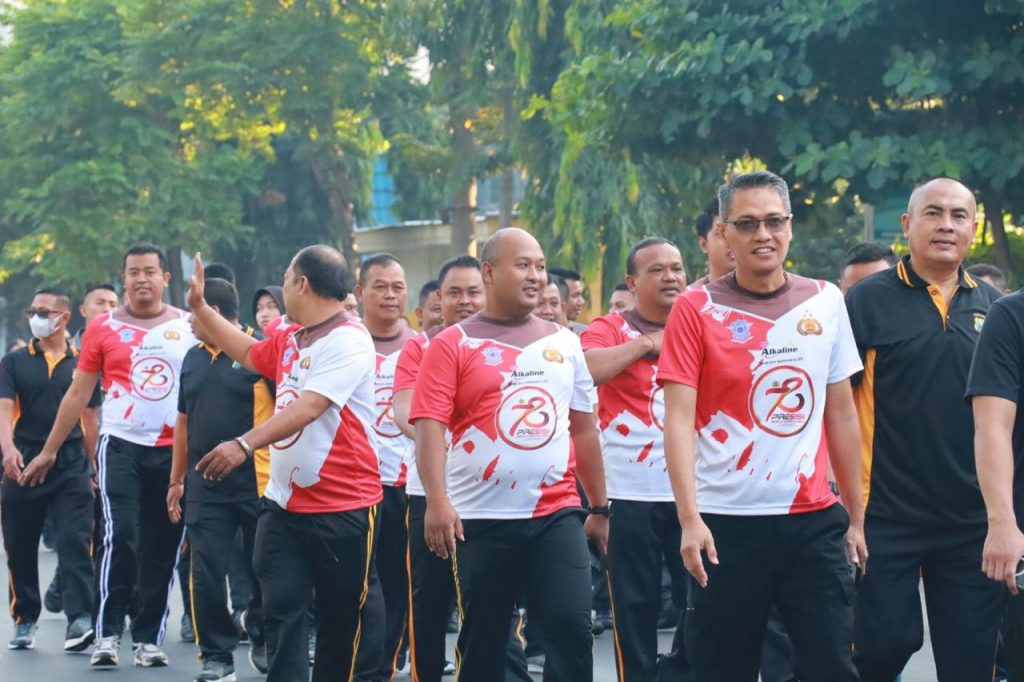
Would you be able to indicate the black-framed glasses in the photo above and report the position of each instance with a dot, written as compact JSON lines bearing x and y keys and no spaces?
{"x":42,"y":312}
{"x":774,"y":223}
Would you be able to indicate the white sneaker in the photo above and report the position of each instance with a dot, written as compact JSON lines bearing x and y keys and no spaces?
{"x":149,"y":656}
{"x":105,"y":652}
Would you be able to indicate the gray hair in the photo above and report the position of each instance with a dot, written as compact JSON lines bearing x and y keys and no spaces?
{"x":751,"y":180}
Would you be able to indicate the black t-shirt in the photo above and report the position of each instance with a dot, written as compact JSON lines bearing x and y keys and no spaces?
{"x":37,"y":384}
{"x":998,"y":370}
{"x":222,"y":400}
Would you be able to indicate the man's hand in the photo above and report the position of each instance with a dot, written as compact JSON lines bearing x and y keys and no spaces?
{"x":596,"y":528}
{"x":696,"y":539}
{"x":35,"y":473}
{"x":857,"y":547}
{"x":221,"y":461}
{"x":174,"y":493}
{"x":1004,"y":547}
{"x":197,"y":285}
{"x":13,"y":463}
{"x":656,"y":338}
{"x":441,"y":527}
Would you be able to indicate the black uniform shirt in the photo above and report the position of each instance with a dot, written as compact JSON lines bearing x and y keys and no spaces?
{"x":998,"y":370}
{"x":917,"y":431}
{"x":222,"y":400}
{"x":37,"y":382}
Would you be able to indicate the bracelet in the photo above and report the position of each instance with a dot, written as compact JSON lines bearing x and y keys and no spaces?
{"x":246,"y":448}
{"x":173,"y":484}
{"x":605,"y":511}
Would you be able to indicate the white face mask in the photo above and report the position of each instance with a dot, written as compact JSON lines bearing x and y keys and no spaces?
{"x":43,"y":327}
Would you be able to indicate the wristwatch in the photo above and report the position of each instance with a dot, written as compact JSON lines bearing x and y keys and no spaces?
{"x":605,"y":511}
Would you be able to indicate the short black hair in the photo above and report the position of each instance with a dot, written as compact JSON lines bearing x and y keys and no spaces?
{"x":457,"y":262}
{"x":867,"y":252}
{"x":382,"y":259}
{"x":563,"y":286}
{"x":222,"y":293}
{"x":325,"y":269}
{"x":566,"y":273}
{"x":427,"y":289}
{"x":640,"y":246}
{"x":990,"y":271}
{"x":706,"y":219}
{"x":621,"y":286}
{"x":144,"y":248}
{"x":96,"y":286}
{"x":63,"y":300}
{"x":219,"y":271}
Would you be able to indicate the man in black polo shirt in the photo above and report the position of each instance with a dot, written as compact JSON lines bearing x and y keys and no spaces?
{"x":33,"y":381}
{"x":218,"y":401}
{"x":916,"y":326}
{"x":996,"y":389}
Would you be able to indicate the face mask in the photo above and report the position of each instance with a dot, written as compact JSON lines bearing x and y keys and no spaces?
{"x":43,"y":326}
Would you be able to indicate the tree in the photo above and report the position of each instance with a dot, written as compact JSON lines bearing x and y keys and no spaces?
{"x":848,"y":97}
{"x":85,"y":167}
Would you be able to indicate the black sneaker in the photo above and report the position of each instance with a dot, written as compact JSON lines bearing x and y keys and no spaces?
{"x":79,"y":634}
{"x":187,"y":634}
{"x":53,"y":600}
{"x":257,"y":643}
{"x":604,"y":618}
{"x":216,"y":671}
{"x":24,"y":636}
{"x":236,"y":618}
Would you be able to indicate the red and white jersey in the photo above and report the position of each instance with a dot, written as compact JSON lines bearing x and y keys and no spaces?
{"x":761,"y":366}
{"x":394,"y":448}
{"x":505,"y":392}
{"x":410,"y":359}
{"x":631,"y":414}
{"x":276,"y":325}
{"x":140,"y":363}
{"x":330,"y":465}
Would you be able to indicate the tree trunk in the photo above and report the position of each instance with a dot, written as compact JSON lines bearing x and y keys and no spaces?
{"x":178,"y":284}
{"x":335,"y":183}
{"x":463,"y":212}
{"x":508,"y":176}
{"x":994,"y":215}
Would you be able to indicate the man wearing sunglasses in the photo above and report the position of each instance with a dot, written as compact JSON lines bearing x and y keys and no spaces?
{"x":756,"y":367}
{"x":33,"y":380}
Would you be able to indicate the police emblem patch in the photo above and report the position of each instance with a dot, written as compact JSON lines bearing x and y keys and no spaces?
{"x":740,"y":331}
{"x":979,"y":322}
{"x":493,"y":355}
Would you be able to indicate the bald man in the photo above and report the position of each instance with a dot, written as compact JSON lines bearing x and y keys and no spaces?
{"x":515,"y":393}
{"x":916,"y":327}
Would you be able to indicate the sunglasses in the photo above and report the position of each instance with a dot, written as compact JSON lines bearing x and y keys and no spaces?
{"x":774,"y":223}
{"x":42,"y":312}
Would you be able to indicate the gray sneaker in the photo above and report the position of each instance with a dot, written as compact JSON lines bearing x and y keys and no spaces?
{"x":79,"y":634}
{"x":216,"y":671}
{"x":149,"y":656}
{"x":105,"y":653}
{"x":24,"y":636}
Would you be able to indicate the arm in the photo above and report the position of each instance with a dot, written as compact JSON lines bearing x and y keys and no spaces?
{"x":71,"y":408}
{"x":225,"y":335}
{"x":299,"y":414}
{"x":401,"y":402}
{"x":681,"y":458}
{"x":13,"y":461}
{"x":179,"y":460}
{"x":993,"y":453}
{"x":607,"y":363}
{"x":441,"y":523}
{"x":843,"y":432}
{"x":590,"y":469}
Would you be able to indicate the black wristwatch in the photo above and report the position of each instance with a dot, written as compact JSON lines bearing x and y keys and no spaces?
{"x":605,"y":511}
{"x":834,"y":487}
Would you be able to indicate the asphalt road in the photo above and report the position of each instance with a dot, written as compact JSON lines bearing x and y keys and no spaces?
{"x":51,"y":664}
